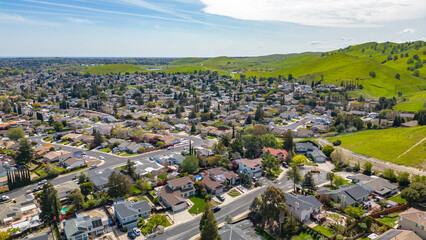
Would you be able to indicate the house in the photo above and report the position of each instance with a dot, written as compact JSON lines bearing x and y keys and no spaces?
{"x":72,"y":137}
{"x":83,"y":227}
{"x":252,"y":167}
{"x":43,"y":236}
{"x":133,"y":147}
{"x":346,"y":195}
{"x":100,"y":178}
{"x":123,"y":146}
{"x":304,"y":133}
{"x":374,"y":184}
{"x":243,"y":230}
{"x":127,"y":213}
{"x":147,"y":167}
{"x":73,"y":163}
{"x":302,"y":206}
{"x":230,"y":176}
{"x":206,"y":130}
{"x":309,"y":150}
{"x":414,"y":220}
{"x":64,"y":190}
{"x":108,"y":119}
{"x":55,"y":156}
{"x":397,"y":234}
{"x":174,"y":193}
{"x":170,"y":140}
{"x":279,"y":154}
{"x":13,"y":211}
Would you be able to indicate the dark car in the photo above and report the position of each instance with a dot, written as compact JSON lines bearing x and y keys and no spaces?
{"x":131,"y":235}
{"x":285,"y":165}
{"x":220,"y":198}
{"x":216,"y":209}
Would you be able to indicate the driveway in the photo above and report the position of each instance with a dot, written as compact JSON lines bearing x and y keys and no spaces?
{"x":180,"y":217}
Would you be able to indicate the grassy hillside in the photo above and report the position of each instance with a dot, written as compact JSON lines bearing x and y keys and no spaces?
{"x":114,"y":68}
{"x":388,"y":144}
{"x":187,"y":61}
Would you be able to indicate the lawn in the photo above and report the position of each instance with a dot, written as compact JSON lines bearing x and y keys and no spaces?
{"x":264,"y":234}
{"x":162,"y":176}
{"x":48,"y":139}
{"x":391,"y":221}
{"x":128,"y":154}
{"x":388,"y":144}
{"x":211,"y":137}
{"x":199,"y":203}
{"x":398,"y":199}
{"x":175,"y":131}
{"x":324,"y":230}
{"x":135,"y":190}
{"x":234,"y":193}
{"x":105,"y":150}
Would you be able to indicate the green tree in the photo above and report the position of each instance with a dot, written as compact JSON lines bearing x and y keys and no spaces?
{"x":338,"y":180}
{"x":355,"y":212}
{"x":269,"y":140}
{"x":82,"y":178}
{"x":403,"y":179}
{"x":294,"y":174}
{"x":288,"y":143}
{"x":269,"y":164}
{"x":237,"y":146}
{"x":58,"y":126}
{"x":252,"y":145}
{"x":259,"y":114}
{"x":219,"y":148}
{"x":225,"y":139}
{"x":299,"y":160}
{"x":390,"y":175}
{"x":86,"y":188}
{"x":25,"y":152}
{"x":309,"y":182}
{"x":338,"y":158}
{"x":49,"y":204}
{"x":15,"y":133}
{"x":327,"y":150}
{"x":249,"y":120}
{"x":330,"y":177}
{"x":77,"y":199}
{"x":208,"y":226}
{"x":4,"y":235}
{"x":190,"y":164}
{"x":143,"y":185}
{"x":416,"y":192}
{"x":118,"y":185}
{"x":99,"y":139}
{"x":367,"y":168}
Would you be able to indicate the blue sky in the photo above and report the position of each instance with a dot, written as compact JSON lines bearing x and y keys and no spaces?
{"x":202,"y":28}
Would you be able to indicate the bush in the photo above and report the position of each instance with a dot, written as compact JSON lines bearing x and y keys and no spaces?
{"x":125,"y":229}
{"x":156,"y":201}
{"x":348,"y":169}
{"x":337,"y":142}
{"x":91,"y":203}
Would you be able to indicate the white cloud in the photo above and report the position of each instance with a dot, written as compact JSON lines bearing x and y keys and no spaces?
{"x":79,"y":20}
{"x":341,"y":13}
{"x":408,"y":30}
{"x":16,"y":18}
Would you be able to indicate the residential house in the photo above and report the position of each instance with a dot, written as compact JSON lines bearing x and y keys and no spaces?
{"x":123,"y":146}
{"x":279,"y":154}
{"x":64,"y":190}
{"x":174,"y":193}
{"x":309,"y":150}
{"x":374,"y":184}
{"x":83,"y":227}
{"x":304,"y":133}
{"x":414,"y":220}
{"x":170,"y":140}
{"x":147,"y":167}
{"x":230,"y":176}
{"x":397,"y":234}
{"x":243,"y":230}
{"x":13,"y":211}
{"x":302,"y":206}
{"x":133,"y":147}
{"x":100,"y":178}
{"x":72,"y":137}
{"x":56,"y":156}
{"x":73,"y":163}
{"x":127,"y":213}
{"x":347,"y":195}
{"x":252,"y":167}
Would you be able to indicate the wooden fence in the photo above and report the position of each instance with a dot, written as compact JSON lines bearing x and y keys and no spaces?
{"x":390,"y":210}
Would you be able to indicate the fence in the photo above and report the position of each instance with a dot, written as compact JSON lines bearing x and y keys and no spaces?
{"x":390,"y":210}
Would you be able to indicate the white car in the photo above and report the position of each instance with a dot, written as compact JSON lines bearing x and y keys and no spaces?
{"x":102,"y":158}
{"x":137,"y":231}
{"x":4,"y":197}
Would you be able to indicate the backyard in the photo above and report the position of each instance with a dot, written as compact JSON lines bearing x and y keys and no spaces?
{"x":398,"y":199}
{"x":324,"y":230}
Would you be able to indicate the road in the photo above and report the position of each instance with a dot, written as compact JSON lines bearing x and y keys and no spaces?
{"x":299,"y":123}
{"x":110,"y":161}
{"x":190,"y":229}
{"x":377,"y":162}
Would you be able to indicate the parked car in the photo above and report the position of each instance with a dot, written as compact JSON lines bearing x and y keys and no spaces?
{"x":220,"y":198}
{"x":131,"y":235}
{"x":102,"y":158}
{"x":170,"y":148}
{"x":216,"y":209}
{"x":4,"y":197}
{"x":285,"y":165}
{"x":93,"y":167}
{"x":74,"y":178}
{"x":42,"y":182}
{"x":137,"y":231}
{"x":315,"y":171}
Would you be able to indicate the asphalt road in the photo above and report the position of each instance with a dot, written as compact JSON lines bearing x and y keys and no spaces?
{"x":110,"y":161}
{"x":189,"y":229}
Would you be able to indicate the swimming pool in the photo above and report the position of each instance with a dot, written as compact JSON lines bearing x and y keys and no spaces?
{"x":64,"y":209}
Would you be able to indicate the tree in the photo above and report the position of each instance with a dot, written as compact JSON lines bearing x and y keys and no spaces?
{"x":4,"y":235}
{"x":269,"y":140}
{"x":25,"y":152}
{"x":338,"y":180}
{"x":330,"y":177}
{"x":259,"y":114}
{"x":338,"y":158}
{"x":403,"y":179}
{"x":237,"y":146}
{"x":367,"y":168}
{"x":219,"y":148}
{"x":252,"y":146}
{"x":190,"y":164}
{"x":416,"y":192}
{"x":328,"y":150}
{"x":420,"y":116}
{"x":15,"y":133}
{"x":355,"y":212}
{"x":77,"y":199}
{"x":49,"y":204}
{"x":225,"y":139}
{"x":288,"y":143}
{"x":58,"y":126}
{"x":86,"y":188}
{"x":118,"y":185}
{"x":294,"y":174}
{"x":390,"y":175}
{"x":193,"y":128}
{"x":309,"y":182}
{"x":82,"y":178}
{"x":99,"y":139}
{"x":143,"y":185}
{"x":299,"y":160}
{"x":208,"y":225}
{"x":269,"y":164}
{"x":249,"y":120}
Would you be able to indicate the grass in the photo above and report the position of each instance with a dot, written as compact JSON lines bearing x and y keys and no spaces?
{"x":175,"y":131}
{"x":114,"y":68}
{"x":48,"y":139}
{"x":389,"y":220}
{"x":128,"y":154}
{"x":234,"y":193}
{"x":388,"y":144}
{"x":199,"y":203}
{"x":211,"y":137}
{"x":105,"y":150}
{"x":135,"y":190}
{"x":121,"y":167}
{"x":398,"y":199}
{"x":59,"y":169}
{"x":324,"y":230}
{"x":264,"y":234}
{"x":162,"y":176}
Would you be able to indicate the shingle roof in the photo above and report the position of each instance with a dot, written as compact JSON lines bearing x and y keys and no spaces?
{"x":305,"y":202}
{"x":130,"y":208}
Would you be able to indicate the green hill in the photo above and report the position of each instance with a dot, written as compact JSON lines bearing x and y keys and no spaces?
{"x":187,"y":61}
{"x":114,"y":68}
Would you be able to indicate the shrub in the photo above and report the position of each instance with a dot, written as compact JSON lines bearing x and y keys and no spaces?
{"x":337,"y":142}
{"x":125,"y":229}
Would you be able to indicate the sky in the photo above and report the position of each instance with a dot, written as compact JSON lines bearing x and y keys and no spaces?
{"x":201,"y":28}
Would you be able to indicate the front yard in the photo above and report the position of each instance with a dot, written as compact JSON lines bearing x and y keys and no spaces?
{"x":234,"y":193}
{"x":105,"y":150}
{"x":199,"y":205}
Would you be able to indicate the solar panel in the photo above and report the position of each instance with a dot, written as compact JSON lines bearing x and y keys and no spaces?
{"x":390,"y":235}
